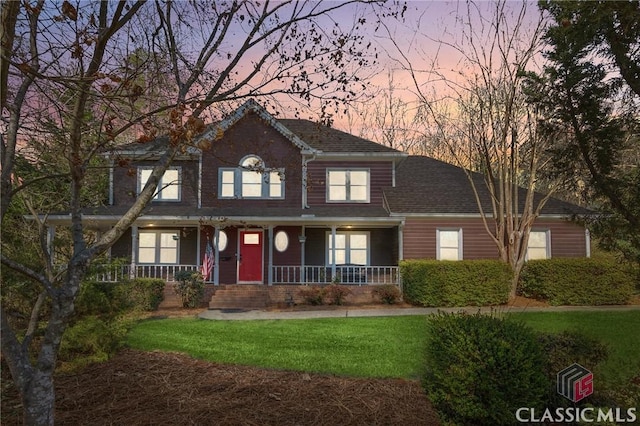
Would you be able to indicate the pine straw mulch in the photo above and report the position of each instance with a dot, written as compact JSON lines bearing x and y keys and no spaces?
{"x":156,"y":388}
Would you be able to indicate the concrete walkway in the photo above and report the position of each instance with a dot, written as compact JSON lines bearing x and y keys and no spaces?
{"x":223,"y":314}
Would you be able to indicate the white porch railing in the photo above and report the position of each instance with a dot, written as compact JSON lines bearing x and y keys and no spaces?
{"x":344,"y":274}
{"x":115,"y":273}
{"x":295,"y":274}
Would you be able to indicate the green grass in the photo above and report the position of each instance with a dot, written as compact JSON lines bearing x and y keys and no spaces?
{"x":365,"y":347}
{"x":619,"y":331}
{"x":362,"y":347}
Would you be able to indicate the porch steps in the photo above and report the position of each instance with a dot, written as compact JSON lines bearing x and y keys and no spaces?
{"x":240,"y":296}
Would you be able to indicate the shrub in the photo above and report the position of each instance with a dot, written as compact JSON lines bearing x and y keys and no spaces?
{"x":462,"y":283}
{"x":146,"y":293}
{"x":313,"y":295}
{"x":104,"y":299}
{"x":387,"y":293}
{"x":190,"y":287}
{"x":93,"y":339}
{"x":479,"y":369}
{"x":562,"y":350}
{"x":582,"y":281}
{"x":336,"y":293}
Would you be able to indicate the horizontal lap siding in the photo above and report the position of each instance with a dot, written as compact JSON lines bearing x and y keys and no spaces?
{"x":567,"y":239}
{"x":380,"y":176}
{"x":420,"y":238}
{"x":419,"y":241}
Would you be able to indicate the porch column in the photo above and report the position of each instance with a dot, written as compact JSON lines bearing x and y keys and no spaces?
{"x":303,"y":272}
{"x":401,"y":242}
{"x":216,"y":256}
{"x":51,"y":234}
{"x":333,"y":252}
{"x":270,"y":269}
{"x":134,"y":251}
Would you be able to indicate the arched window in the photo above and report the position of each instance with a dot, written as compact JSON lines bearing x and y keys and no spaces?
{"x":251,"y":179}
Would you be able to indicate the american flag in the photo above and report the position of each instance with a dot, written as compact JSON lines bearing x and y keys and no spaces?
{"x":207,"y":262}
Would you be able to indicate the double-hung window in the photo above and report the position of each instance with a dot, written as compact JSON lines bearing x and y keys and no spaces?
{"x":351,"y":248}
{"x":252,"y":179}
{"x":538,"y":245}
{"x":449,"y":244}
{"x":348,"y":186}
{"x":168,"y":187}
{"x":156,"y":247}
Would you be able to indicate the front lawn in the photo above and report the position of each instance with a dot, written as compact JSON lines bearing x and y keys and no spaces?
{"x":365,"y":347}
{"x":361,"y":347}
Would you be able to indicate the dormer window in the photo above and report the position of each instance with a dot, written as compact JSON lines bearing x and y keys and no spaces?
{"x":168,"y":187}
{"x":251,"y":179}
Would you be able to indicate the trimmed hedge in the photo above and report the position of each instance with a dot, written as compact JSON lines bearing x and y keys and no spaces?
{"x":462,"y":283}
{"x":577,"y":281}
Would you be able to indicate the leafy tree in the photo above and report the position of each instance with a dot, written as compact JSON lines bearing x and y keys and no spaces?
{"x":591,"y":88}
{"x":483,"y":119}
{"x":79,"y":79}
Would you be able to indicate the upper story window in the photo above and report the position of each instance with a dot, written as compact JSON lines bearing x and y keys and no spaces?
{"x":449,"y":243}
{"x":538,"y":246}
{"x":168,"y":187}
{"x":251,"y":179}
{"x":351,"y":186}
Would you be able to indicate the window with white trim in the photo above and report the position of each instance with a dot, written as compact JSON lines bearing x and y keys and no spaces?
{"x":351,"y":248}
{"x":251,"y":179}
{"x":538,"y":246}
{"x":168,"y":187}
{"x":158,"y":247}
{"x":350,"y":186}
{"x":449,"y":244}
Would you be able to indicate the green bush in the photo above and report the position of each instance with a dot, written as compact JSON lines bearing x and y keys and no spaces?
{"x":190,"y":287}
{"x":562,"y":350}
{"x":387,"y":293}
{"x":93,"y":339}
{"x":565,"y":281}
{"x":313,"y":295}
{"x":480,"y":369}
{"x":146,"y":293}
{"x":462,"y":283}
{"x":336,"y":293}
{"x":104,"y":299}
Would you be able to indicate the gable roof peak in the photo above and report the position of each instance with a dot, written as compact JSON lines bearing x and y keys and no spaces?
{"x":252,"y":106}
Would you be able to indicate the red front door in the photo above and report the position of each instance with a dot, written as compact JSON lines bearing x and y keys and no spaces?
{"x":250,"y":261}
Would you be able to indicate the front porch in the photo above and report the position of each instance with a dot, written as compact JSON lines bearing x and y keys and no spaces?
{"x":277,"y":275}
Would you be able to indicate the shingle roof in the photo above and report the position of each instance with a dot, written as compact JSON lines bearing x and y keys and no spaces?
{"x":328,"y":139}
{"x":302,"y":133}
{"x":428,"y":186}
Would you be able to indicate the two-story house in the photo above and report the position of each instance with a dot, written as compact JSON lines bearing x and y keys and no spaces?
{"x":289,"y":201}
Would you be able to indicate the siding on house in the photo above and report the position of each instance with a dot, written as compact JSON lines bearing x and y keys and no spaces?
{"x":419,"y":242}
{"x":125,"y":183}
{"x":251,"y":136}
{"x":380,"y":176}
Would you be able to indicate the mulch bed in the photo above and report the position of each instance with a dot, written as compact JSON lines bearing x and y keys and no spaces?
{"x":155,"y":388}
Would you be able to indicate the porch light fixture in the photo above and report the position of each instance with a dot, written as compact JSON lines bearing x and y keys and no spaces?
{"x":302,"y":238}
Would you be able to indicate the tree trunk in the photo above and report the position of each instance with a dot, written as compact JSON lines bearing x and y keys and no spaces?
{"x":38,"y":399}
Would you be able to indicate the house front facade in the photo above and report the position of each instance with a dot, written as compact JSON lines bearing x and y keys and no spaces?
{"x":287,"y":201}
